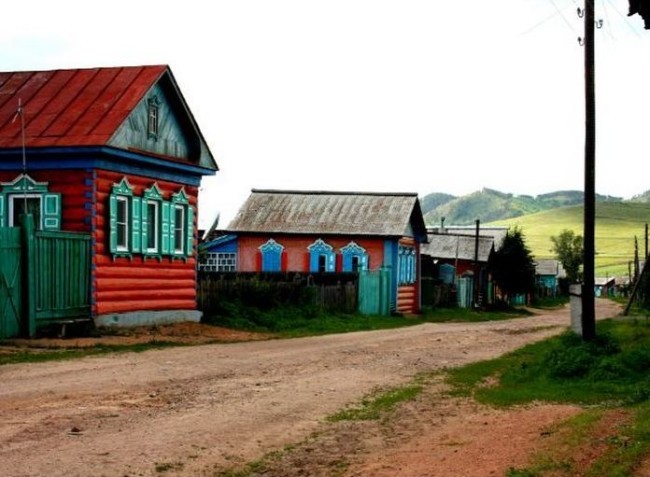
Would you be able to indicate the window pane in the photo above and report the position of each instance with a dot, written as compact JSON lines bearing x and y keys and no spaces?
{"x":122,"y":223}
{"x":33,"y":207}
{"x":152,"y":226}
{"x":179,"y":226}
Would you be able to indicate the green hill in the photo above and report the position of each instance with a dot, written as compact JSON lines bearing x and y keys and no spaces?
{"x":617,"y":223}
{"x":489,"y":205}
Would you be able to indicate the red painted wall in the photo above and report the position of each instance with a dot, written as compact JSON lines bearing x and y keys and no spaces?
{"x":123,"y":284}
{"x":75,"y":187}
{"x":296,"y":253}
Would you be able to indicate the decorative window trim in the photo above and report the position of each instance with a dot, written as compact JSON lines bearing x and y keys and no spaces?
{"x":24,"y":186}
{"x":122,"y":192}
{"x":406,"y":266}
{"x":352,"y":251}
{"x":320,"y":249}
{"x":186,"y":248}
{"x":160,"y":227}
{"x":271,"y":252}
{"x":153,"y":118}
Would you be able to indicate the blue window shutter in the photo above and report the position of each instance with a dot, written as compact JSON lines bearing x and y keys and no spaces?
{"x":112,"y":225}
{"x":136,"y":222}
{"x":189,"y":230}
{"x":2,"y":210}
{"x":347,"y":262}
{"x":51,"y":211}
{"x":313,"y":261}
{"x":144,"y":225}
{"x":164,"y":229}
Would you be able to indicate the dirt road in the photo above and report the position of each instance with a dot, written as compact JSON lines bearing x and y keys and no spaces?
{"x":192,"y":410}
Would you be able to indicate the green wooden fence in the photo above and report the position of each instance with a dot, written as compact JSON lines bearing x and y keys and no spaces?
{"x":54,"y":278}
{"x":374,"y":292}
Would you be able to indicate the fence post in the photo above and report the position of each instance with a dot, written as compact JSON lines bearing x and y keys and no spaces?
{"x":29,"y":288}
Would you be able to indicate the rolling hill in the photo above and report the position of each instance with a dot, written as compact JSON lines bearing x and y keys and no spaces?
{"x":489,"y":205}
{"x":617,"y":224}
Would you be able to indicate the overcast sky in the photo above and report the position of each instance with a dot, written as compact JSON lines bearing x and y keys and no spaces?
{"x":373,"y":95}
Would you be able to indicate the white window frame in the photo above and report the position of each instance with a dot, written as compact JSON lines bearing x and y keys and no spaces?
{"x":153,"y":228}
{"x":179,"y":226}
{"x":14,"y":197}
{"x":122,"y":245}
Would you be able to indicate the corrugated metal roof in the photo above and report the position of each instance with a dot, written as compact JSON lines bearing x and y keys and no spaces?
{"x":498,"y":232}
{"x":326,"y":212}
{"x":76,"y":107}
{"x":457,"y":246}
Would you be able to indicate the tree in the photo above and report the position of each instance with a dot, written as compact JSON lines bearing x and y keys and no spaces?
{"x":512,"y":266}
{"x":568,"y":248}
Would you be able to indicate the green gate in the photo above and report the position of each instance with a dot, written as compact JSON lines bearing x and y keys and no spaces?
{"x":44,"y":278}
{"x":374,"y":292}
{"x":10,"y":282}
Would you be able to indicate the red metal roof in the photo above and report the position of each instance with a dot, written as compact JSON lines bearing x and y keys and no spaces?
{"x":80,"y":107}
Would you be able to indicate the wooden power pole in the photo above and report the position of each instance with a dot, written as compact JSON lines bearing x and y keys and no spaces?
{"x":588,"y":299}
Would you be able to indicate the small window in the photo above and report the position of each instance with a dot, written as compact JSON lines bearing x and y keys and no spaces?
{"x":152,"y":226}
{"x":122,"y":223}
{"x":355,"y":263}
{"x":322,"y":263}
{"x":153,"y":118}
{"x":271,"y":256}
{"x":21,"y":204}
{"x":179,"y":229}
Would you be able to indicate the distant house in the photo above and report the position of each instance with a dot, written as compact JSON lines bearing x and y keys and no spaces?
{"x":548,"y":272}
{"x":604,"y":286}
{"x":455,"y":258}
{"x":320,"y":232}
{"x":115,"y":155}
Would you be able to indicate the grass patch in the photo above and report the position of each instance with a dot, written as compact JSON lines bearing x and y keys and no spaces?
{"x":39,"y":355}
{"x":611,"y":369}
{"x":373,"y":406}
{"x":288,"y":322}
{"x":610,"y":372}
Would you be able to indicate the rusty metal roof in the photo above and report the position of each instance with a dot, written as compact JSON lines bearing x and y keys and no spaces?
{"x":75,"y":107}
{"x":457,"y":246}
{"x":326,"y":212}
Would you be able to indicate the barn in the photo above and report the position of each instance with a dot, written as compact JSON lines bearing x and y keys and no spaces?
{"x":115,"y":157}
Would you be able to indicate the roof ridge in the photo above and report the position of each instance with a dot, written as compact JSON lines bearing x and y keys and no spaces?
{"x":325,"y":192}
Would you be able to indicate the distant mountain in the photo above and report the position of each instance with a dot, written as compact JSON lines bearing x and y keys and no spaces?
{"x":489,"y":205}
{"x":641,"y":198}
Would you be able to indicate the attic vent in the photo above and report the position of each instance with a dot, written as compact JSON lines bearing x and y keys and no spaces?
{"x":153,"y":118}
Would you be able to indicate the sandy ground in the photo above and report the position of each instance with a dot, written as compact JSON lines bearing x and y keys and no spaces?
{"x":201,"y":409}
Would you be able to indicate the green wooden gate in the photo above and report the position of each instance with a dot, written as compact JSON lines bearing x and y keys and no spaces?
{"x":374,"y":292}
{"x":45,"y":278}
{"x":11,"y":309}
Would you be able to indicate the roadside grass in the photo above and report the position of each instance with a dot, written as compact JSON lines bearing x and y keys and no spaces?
{"x":290,"y":322}
{"x":373,"y":406}
{"x":39,"y":355}
{"x":611,"y":372}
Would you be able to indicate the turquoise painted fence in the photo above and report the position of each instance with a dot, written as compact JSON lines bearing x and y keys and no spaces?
{"x":44,"y":278}
{"x":11,"y":303}
{"x":374,"y":292}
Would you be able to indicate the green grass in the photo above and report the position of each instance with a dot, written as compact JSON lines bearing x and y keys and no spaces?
{"x":39,"y":355}
{"x":373,"y":406}
{"x":616,"y":226}
{"x":289,"y":323}
{"x":611,"y":371}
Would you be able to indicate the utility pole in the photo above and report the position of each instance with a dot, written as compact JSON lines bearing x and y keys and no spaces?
{"x":588,"y":299}
{"x":477,"y":270}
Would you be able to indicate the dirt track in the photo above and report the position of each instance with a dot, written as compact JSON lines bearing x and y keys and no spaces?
{"x":192,"y":410}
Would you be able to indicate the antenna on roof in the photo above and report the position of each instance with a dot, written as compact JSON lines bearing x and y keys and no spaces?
{"x":21,"y":112}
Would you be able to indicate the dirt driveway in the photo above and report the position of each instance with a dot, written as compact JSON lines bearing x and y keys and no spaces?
{"x":195,"y":410}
